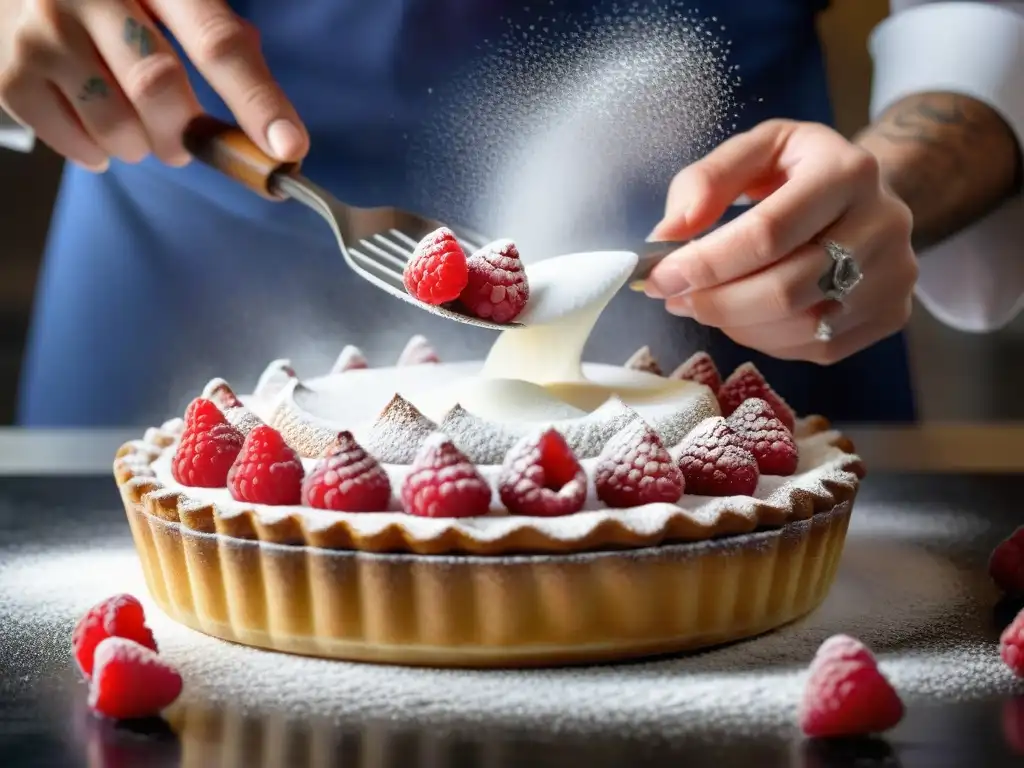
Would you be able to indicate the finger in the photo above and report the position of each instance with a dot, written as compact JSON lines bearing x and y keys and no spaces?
{"x":148,"y":71}
{"x":102,"y":107}
{"x":791,"y":286}
{"x":700,"y":193}
{"x":226,"y":51}
{"x":806,"y":204}
{"x":39,"y":105}
{"x":872,"y":329}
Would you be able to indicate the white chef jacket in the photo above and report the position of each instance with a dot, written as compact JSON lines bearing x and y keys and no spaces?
{"x":974,"y":281}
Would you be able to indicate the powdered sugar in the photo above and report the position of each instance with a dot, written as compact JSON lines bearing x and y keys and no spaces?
{"x":274,"y":379}
{"x":398,"y":432}
{"x":418,"y":351}
{"x":643,"y":360}
{"x":351,"y":358}
{"x":913,"y":607}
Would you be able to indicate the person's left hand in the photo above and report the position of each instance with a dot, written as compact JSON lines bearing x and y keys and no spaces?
{"x":756,"y":277}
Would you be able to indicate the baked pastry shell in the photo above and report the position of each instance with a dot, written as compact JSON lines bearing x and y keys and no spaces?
{"x":271,"y":588}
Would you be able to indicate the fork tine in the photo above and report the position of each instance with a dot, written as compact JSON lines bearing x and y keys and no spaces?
{"x":372,"y":260}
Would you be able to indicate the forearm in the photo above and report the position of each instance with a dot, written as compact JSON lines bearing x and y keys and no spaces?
{"x":951,"y":158}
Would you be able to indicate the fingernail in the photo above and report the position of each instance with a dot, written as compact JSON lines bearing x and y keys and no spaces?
{"x":663,"y":286}
{"x":94,"y":167}
{"x":285,"y":139}
{"x":679,"y":306}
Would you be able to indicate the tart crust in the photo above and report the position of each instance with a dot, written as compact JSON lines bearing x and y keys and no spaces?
{"x":456,"y":601}
{"x":469,"y":611}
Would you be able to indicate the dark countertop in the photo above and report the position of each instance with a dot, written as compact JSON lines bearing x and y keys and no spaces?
{"x":44,"y":720}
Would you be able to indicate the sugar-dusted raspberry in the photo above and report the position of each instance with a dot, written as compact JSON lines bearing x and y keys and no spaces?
{"x":267,"y":470}
{"x":117,"y":616}
{"x":634,"y":469}
{"x":208,"y":446}
{"x":130,"y":681}
{"x":1011,"y":645}
{"x":747,"y":382}
{"x":847,"y":695}
{"x":442,"y":482}
{"x":714,"y":462}
{"x":761,"y":433}
{"x":1006,"y":565}
{"x":437,"y":272}
{"x":350,"y":359}
{"x":347,"y":479}
{"x":497,"y":288}
{"x":541,"y":477}
{"x":842,"y":648}
{"x":418,"y":351}
{"x":699,"y":368}
{"x":643,"y":360}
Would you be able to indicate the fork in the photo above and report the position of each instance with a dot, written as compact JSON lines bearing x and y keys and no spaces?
{"x":376,"y":243}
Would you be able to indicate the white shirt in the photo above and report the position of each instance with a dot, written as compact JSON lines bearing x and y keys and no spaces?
{"x":973,"y":281}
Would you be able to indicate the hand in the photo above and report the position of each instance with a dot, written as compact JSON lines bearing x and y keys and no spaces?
{"x":96,"y":79}
{"x":756,"y":277}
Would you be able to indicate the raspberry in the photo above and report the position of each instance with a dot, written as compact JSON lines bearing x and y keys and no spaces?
{"x":842,"y":648}
{"x":444,"y":483}
{"x":643,"y":360}
{"x":418,"y":352}
{"x":208,"y":446}
{"x":267,"y":470}
{"x":747,"y":382}
{"x":437,"y":272}
{"x":634,"y":468}
{"x":699,"y":368}
{"x":541,"y":477}
{"x":1013,"y":724}
{"x":130,"y":681}
{"x":347,"y":479}
{"x":714,"y":462}
{"x":117,"y":616}
{"x":847,"y":695}
{"x":767,"y":438}
{"x":1006,"y":565}
{"x":350,"y":359}
{"x":497,"y":289}
{"x":1011,"y":645}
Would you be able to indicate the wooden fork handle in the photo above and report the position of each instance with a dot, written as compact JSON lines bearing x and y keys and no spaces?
{"x":226,"y":148}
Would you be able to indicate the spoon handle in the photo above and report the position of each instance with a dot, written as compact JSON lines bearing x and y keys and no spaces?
{"x":651,"y":254}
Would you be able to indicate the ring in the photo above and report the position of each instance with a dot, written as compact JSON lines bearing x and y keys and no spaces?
{"x":842,"y":276}
{"x":824,"y":330}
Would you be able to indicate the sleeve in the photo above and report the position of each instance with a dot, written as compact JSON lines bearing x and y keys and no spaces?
{"x":974,"y":281}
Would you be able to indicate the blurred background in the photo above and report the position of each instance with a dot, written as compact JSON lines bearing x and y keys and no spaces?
{"x":958,"y":376}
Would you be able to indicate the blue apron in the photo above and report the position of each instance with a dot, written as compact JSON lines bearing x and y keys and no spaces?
{"x":157,"y":279}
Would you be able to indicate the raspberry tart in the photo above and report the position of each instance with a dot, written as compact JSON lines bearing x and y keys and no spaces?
{"x":524,"y":510}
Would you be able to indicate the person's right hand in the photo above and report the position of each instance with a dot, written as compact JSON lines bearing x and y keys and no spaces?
{"x":96,"y":79}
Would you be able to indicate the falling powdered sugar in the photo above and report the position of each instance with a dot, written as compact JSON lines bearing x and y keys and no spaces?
{"x":563,"y":116}
{"x":914,"y":608}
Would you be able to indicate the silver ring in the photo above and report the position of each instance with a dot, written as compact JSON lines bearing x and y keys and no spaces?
{"x":824,"y":330}
{"x":843,"y":274}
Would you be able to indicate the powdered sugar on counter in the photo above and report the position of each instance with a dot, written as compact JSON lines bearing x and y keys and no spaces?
{"x":892,"y":591}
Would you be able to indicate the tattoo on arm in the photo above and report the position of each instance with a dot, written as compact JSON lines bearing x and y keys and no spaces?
{"x":952,"y":159}
{"x":93,"y":89}
{"x":139,"y":37}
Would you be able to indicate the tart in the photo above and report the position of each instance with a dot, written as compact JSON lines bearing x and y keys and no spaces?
{"x":392,"y":515}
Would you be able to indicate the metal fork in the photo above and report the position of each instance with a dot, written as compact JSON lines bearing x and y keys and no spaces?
{"x":376,"y":243}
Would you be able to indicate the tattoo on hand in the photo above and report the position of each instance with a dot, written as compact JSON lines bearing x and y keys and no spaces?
{"x":95,"y":88}
{"x":139,"y":37}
